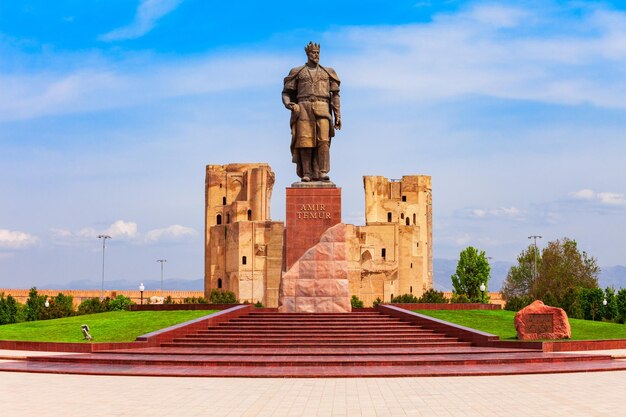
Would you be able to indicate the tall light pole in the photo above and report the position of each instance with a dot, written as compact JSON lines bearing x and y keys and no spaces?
{"x":161,"y":261}
{"x":104,"y":239}
{"x":534,"y":238}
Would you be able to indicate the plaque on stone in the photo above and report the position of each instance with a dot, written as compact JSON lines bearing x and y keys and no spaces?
{"x":539,"y":321}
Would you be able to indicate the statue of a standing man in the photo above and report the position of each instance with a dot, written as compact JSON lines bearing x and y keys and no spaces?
{"x":311,"y":92}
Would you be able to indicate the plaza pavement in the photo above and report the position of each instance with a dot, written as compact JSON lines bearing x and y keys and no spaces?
{"x":576,"y":394}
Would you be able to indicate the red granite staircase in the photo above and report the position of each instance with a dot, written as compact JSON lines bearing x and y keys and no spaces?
{"x":360,"y":344}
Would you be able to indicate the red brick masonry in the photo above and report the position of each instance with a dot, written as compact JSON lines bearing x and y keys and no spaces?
{"x":310,"y":211}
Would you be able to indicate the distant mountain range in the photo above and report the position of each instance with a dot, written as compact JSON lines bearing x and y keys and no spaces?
{"x":443,"y":269}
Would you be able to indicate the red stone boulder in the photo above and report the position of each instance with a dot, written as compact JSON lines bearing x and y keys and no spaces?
{"x":539,"y":321}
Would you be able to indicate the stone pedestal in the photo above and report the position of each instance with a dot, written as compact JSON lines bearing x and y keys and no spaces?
{"x":312,"y":208}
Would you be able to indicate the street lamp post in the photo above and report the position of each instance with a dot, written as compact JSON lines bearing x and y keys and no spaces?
{"x":161,"y":261}
{"x":104,"y":239}
{"x":534,"y":238}
{"x":482,"y":292}
{"x":141,"y":290}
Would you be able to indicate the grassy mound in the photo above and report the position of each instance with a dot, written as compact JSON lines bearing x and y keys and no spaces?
{"x":114,"y":326}
{"x":500,"y":323}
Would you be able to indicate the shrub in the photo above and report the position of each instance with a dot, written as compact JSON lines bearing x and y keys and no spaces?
{"x":120,"y":303}
{"x":459,"y":299}
{"x":516,"y":303}
{"x":259,"y":304}
{"x":355,"y":302}
{"x":404,"y":299}
{"x":433,"y":296}
{"x":94,"y":305}
{"x":194,"y":300}
{"x":376,"y":302}
{"x":222,"y":297}
{"x":169,"y":300}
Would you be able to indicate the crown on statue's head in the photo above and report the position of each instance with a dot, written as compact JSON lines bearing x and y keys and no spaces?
{"x":312,"y":47}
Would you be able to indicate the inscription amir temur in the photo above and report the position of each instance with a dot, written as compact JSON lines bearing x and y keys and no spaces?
{"x":313,"y":211}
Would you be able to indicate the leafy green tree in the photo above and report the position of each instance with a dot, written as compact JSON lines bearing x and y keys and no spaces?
{"x":472,"y":270}
{"x":516,"y":303}
{"x":610,"y":310}
{"x":572,"y":303}
{"x":35,"y":305}
{"x":356,"y":302}
{"x":563,"y":267}
{"x":59,"y":306}
{"x":592,"y":303}
{"x":519,"y":279}
{"x":8,"y":309}
{"x":620,"y":300}
{"x":433,"y":296}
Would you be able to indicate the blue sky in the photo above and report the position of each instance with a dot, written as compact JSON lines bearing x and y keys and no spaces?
{"x":110,"y":110}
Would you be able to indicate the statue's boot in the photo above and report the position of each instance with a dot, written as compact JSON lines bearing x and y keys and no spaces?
{"x":323,"y":159}
{"x":306,"y":156}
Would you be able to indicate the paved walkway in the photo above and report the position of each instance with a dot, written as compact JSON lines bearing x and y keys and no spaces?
{"x":578,"y":394}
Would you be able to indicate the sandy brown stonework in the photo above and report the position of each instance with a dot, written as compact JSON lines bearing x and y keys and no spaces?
{"x":243,"y":247}
{"x":539,"y":321}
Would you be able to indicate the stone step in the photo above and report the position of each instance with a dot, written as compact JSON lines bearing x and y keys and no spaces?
{"x":268,"y":339}
{"x":319,"y":351}
{"x":299,"y":343}
{"x":320,"y":361}
{"x":313,"y":371}
{"x":304,"y":334}
{"x":317,"y":326}
{"x":307,"y":333}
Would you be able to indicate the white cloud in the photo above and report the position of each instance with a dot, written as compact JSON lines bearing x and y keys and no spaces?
{"x":125,"y":231}
{"x":603,"y":198}
{"x":584,"y":194}
{"x":171,"y":233}
{"x":501,"y":212}
{"x":612,"y":199}
{"x":148,"y":13}
{"x":12,"y":239}
{"x":540,"y":57}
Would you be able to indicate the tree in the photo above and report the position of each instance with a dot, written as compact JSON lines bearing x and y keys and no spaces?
{"x":472,"y":270}
{"x":620,"y":300}
{"x":592,"y":303}
{"x":563,"y":267}
{"x":610,"y":310}
{"x":8,"y":309}
{"x":35,"y":305}
{"x":519,"y":279}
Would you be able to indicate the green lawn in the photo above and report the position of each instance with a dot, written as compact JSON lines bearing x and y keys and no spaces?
{"x":115,"y":326}
{"x":500,"y":323}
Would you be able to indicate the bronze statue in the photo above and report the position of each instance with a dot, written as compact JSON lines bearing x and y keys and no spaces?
{"x":311,"y":92}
